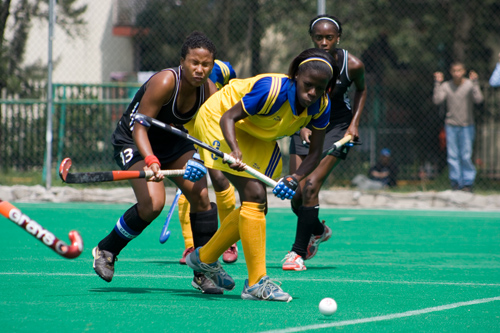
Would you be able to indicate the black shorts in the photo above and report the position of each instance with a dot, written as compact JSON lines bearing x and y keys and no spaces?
{"x":127,"y":155}
{"x":334,"y":133}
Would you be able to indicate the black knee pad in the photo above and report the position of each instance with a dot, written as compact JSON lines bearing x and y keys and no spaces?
{"x":115,"y":242}
{"x":204,"y":225}
{"x":306,"y":225}
{"x":308,"y":215}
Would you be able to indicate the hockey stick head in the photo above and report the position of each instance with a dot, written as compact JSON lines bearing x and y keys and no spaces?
{"x":64,"y":168}
{"x":164,"y":236}
{"x":76,"y":247}
{"x":141,"y":119}
{"x":165,"y":233}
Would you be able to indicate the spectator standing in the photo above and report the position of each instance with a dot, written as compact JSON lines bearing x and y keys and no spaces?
{"x":460,"y":94}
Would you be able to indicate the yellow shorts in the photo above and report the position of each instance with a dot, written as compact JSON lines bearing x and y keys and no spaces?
{"x":264,"y":156}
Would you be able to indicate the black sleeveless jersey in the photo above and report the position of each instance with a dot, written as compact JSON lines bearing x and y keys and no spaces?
{"x":160,"y":139}
{"x":340,"y":103}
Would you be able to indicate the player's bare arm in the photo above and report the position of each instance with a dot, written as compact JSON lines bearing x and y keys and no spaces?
{"x":312,"y":159}
{"x":210,"y":88}
{"x":158,"y":92}
{"x":227,"y":124}
{"x":357,"y":74}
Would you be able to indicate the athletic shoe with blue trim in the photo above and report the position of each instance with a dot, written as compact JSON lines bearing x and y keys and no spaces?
{"x":314,"y":241}
{"x":213,"y":271}
{"x":265,"y":290}
{"x":187,"y":251}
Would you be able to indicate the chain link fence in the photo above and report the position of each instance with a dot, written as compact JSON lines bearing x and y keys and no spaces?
{"x":104,"y":50}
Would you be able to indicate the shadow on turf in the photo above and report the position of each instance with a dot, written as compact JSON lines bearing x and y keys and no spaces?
{"x":163,"y":262}
{"x":309,"y":268}
{"x":176,"y":262}
{"x":180,"y":292}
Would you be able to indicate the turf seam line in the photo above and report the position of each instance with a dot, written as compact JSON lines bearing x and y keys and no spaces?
{"x":388,"y":317}
{"x":160,"y":276}
{"x":400,"y":282}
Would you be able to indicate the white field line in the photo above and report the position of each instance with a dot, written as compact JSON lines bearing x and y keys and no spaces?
{"x":163,"y":276}
{"x":387,"y":317}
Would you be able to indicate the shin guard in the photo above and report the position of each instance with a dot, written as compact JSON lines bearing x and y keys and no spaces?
{"x":226,"y":202}
{"x":306,"y":223}
{"x":252,"y":227}
{"x":204,"y":225}
{"x":187,"y":233}
{"x":129,"y":226}
{"x":227,"y":235}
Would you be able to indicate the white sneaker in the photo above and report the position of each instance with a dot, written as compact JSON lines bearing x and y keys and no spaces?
{"x":293,"y":262}
{"x":265,"y":290}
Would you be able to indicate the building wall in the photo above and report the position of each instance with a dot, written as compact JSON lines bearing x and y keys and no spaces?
{"x":87,"y":59}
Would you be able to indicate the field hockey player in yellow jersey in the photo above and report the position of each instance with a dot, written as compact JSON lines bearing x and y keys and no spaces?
{"x":253,"y":113}
{"x":224,"y":191}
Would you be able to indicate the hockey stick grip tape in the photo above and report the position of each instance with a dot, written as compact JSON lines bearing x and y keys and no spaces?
{"x":263,"y":178}
{"x":147,"y":121}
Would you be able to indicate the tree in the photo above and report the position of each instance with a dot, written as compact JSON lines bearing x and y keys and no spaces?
{"x":233,"y":26}
{"x":13,"y":76}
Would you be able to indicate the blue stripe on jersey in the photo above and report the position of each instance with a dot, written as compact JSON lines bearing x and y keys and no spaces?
{"x":255,"y":100}
{"x":282,"y":96}
{"x":124,"y":231}
{"x":273,"y":162}
{"x":222,"y":73}
{"x":273,"y":96}
{"x":324,"y":119}
{"x":268,"y":95}
{"x":291,"y":94}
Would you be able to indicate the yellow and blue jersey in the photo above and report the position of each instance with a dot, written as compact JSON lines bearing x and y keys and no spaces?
{"x":270,"y":105}
{"x":269,"y":100}
{"x":222,"y":73}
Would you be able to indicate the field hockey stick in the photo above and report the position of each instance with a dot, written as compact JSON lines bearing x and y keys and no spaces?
{"x":165,"y":234}
{"x":107,"y":176}
{"x":337,"y":145}
{"x":148,"y":121}
{"x":46,"y":237}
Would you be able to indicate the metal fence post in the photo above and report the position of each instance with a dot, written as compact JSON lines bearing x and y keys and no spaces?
{"x":321,"y":7}
{"x":50,"y":100}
